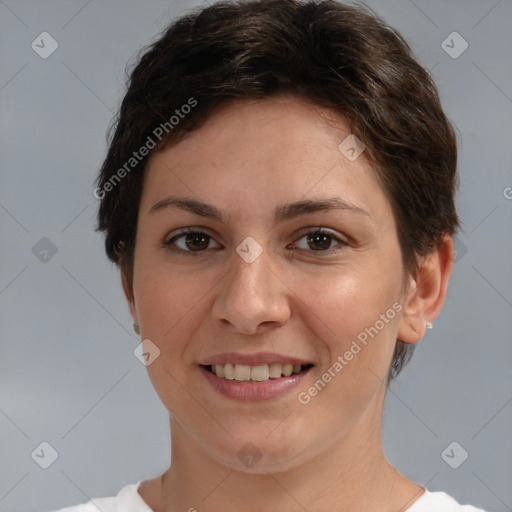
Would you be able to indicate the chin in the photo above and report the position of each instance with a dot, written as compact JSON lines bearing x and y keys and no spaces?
{"x":261,"y":454}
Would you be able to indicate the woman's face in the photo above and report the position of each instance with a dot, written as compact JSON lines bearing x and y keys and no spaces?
{"x":256,"y":288}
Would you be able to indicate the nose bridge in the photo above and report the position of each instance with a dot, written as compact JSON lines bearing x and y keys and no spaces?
{"x":251,"y":294}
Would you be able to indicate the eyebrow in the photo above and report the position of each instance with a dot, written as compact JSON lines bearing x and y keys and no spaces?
{"x":281,"y":212}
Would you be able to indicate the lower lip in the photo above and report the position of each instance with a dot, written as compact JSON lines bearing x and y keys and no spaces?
{"x":251,"y":391}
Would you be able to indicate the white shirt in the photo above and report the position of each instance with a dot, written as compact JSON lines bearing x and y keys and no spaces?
{"x":129,"y":500}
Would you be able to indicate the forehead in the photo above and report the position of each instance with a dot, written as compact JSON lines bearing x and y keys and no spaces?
{"x":266,"y":151}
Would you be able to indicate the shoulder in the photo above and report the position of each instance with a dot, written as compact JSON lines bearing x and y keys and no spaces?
{"x":440,"y":502}
{"x":128,"y":500}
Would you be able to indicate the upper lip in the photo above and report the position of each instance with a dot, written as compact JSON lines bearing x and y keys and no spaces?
{"x":259,"y":358}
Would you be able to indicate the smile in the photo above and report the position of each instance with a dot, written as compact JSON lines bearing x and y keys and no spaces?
{"x":255,"y":382}
{"x":256,"y":373}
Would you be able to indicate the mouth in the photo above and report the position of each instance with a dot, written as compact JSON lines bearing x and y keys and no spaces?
{"x":255,"y":382}
{"x":256,"y":373}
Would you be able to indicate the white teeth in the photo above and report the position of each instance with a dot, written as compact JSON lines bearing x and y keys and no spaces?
{"x":258,"y":373}
{"x":275,"y":370}
{"x":287,"y":369}
{"x":242,"y":372}
{"x":229,"y":371}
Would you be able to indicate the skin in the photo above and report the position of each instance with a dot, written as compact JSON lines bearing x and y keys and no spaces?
{"x":248,"y":158}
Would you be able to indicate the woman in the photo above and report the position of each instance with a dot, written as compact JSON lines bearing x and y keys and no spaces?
{"x":279,"y":197}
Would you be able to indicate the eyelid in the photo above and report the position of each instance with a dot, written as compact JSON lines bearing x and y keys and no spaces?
{"x":188,"y":230}
{"x":323,"y":230}
{"x":173,"y":236}
{"x":342,"y":241}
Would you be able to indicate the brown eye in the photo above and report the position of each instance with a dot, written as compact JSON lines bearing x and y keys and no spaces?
{"x":320,"y":240}
{"x":191,"y":241}
{"x":197,"y":242}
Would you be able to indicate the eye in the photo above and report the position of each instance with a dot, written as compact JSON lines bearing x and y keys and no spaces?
{"x":194,"y":241}
{"x":320,"y":240}
{"x":189,"y":240}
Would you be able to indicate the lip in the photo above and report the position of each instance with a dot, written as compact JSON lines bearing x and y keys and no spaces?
{"x":252,"y":359}
{"x":251,"y":391}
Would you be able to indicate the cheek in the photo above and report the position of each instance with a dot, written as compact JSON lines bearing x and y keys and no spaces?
{"x":169,"y":303}
{"x":163,"y":290}
{"x":171,"y":306}
{"x":341,"y":304}
{"x":354,"y":317}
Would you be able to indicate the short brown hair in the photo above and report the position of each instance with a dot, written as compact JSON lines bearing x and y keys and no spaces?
{"x":329,"y":54}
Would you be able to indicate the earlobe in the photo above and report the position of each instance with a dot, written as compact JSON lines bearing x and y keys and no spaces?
{"x":427,"y":292}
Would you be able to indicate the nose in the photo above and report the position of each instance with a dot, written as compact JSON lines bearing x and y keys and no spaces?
{"x":252,"y":299}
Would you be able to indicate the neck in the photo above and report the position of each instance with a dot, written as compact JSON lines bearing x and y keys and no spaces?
{"x":337,"y":479}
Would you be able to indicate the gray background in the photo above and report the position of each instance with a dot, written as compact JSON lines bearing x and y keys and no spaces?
{"x":67,"y":369}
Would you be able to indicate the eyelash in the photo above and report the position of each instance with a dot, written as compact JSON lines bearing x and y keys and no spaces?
{"x":169,"y":244}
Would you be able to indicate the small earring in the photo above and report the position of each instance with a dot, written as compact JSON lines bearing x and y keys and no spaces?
{"x":429,"y":325}
{"x":136,"y":327}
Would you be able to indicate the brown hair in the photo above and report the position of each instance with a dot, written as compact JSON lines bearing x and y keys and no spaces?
{"x":332,"y":55}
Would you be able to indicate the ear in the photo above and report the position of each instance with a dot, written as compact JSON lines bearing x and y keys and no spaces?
{"x":427,"y":292}
{"x":128,"y":292}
